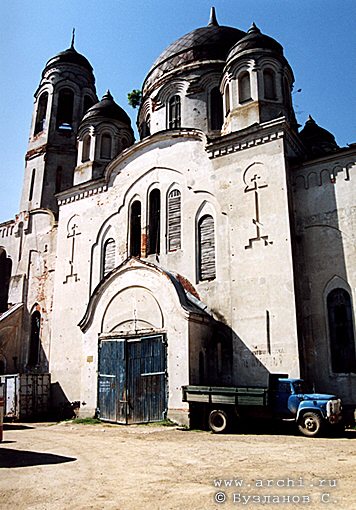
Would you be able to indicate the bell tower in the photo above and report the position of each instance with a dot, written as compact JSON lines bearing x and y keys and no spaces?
{"x":65,"y":92}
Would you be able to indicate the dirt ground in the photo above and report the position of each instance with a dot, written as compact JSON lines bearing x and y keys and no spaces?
{"x":66,"y":465}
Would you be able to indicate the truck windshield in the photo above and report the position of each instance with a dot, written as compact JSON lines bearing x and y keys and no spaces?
{"x":299,"y":387}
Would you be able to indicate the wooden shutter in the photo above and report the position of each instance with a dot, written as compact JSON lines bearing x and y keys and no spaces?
{"x":174,"y":220}
{"x":207,"y":248}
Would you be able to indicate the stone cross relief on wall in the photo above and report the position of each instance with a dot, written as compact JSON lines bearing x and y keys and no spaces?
{"x":73,"y":232}
{"x":255,"y":181}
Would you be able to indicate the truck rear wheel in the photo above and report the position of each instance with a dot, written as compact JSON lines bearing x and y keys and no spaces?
{"x":218,"y":421}
{"x":309,"y":424}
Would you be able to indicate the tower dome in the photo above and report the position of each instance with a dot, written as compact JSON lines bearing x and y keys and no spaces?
{"x":210,"y":43}
{"x":317,"y":140}
{"x":255,"y":40}
{"x":108,"y":109}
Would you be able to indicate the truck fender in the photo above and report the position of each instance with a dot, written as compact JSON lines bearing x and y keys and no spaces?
{"x":307,"y":406}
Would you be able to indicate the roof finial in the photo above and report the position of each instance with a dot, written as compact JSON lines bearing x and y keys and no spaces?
{"x":213,"y":21}
{"x":253,"y":29}
{"x":73,"y":37}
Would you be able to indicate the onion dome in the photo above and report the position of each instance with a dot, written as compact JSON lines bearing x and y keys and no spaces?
{"x":317,"y":140}
{"x":108,"y":109}
{"x":69,"y":56}
{"x":255,"y":40}
{"x":212,"y":43}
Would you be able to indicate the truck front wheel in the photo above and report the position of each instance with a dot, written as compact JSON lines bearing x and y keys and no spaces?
{"x":218,"y":421}
{"x":309,"y":424}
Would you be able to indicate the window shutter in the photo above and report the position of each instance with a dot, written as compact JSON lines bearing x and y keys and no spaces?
{"x":109,"y":256}
{"x":174,"y":220}
{"x":207,"y":248}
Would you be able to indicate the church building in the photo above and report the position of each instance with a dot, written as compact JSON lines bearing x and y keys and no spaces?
{"x":217,"y":249}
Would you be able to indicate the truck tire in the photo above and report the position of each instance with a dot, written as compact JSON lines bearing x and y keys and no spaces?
{"x":218,"y":421}
{"x":309,"y":424}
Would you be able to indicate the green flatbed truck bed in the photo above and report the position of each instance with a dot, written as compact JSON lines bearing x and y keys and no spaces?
{"x":226,"y":395}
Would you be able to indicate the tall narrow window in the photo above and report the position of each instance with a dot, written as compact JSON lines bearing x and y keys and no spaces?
{"x":146,"y":127}
{"x":269,"y":82}
{"x":287,"y":93}
{"x":216,"y":109}
{"x":108,"y":257}
{"x":174,"y":120}
{"x":174,"y":220}
{"x":41,"y":113}
{"x":34,"y":351}
{"x":244,"y":87}
{"x":135,"y":229}
{"x":342,"y":340}
{"x":227,"y":99}
{"x":65,"y":109}
{"x":86,"y":148}
{"x":5,"y":275}
{"x":32,"y":184}
{"x":206,"y":240}
{"x":154,"y":211}
{"x":105,"y":147}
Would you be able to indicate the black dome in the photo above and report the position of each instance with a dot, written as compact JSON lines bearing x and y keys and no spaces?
{"x":69,"y":56}
{"x":108,"y":109}
{"x":255,"y":40}
{"x":212,"y":42}
{"x":317,"y":140}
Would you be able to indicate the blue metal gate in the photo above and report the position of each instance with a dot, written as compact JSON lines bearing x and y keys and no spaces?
{"x":132,"y":379}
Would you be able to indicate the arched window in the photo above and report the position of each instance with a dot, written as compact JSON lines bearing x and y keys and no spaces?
{"x":244,"y":87}
{"x":135,"y":229}
{"x":86,"y":148}
{"x":342,"y":340}
{"x":174,"y":220}
{"x":105,"y":147}
{"x":34,"y":351}
{"x":216,"y":109}
{"x":269,"y":82}
{"x":65,"y":109}
{"x":41,"y":113}
{"x":108,"y":257}
{"x":154,"y":212}
{"x":32,"y":184}
{"x":88,"y":103}
{"x":227,"y":99}
{"x":206,"y":241}
{"x":146,"y":127}
{"x":174,"y":120}
{"x":5,"y":275}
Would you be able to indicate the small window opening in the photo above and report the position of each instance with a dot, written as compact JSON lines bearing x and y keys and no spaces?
{"x":108,"y":257}
{"x":227,"y":99}
{"x":269,"y":82}
{"x":206,"y":240}
{"x":65,"y":109}
{"x":174,"y":113}
{"x":174,"y":220}
{"x":32,"y":185}
{"x":244,"y":87}
{"x":216,"y":109}
{"x":154,"y":221}
{"x":105,"y":148}
{"x":5,"y":276}
{"x":33,"y":356}
{"x":146,"y":127}
{"x":86,"y":148}
{"x":135,"y":229}
{"x":41,"y":113}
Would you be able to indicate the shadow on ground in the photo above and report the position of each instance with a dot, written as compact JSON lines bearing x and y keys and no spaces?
{"x":20,"y":458}
{"x":16,"y":426}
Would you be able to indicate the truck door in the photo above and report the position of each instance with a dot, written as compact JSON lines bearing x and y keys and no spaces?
{"x":281,"y":397}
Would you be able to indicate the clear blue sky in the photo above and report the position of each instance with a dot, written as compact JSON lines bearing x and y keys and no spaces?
{"x":122,"y":38}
